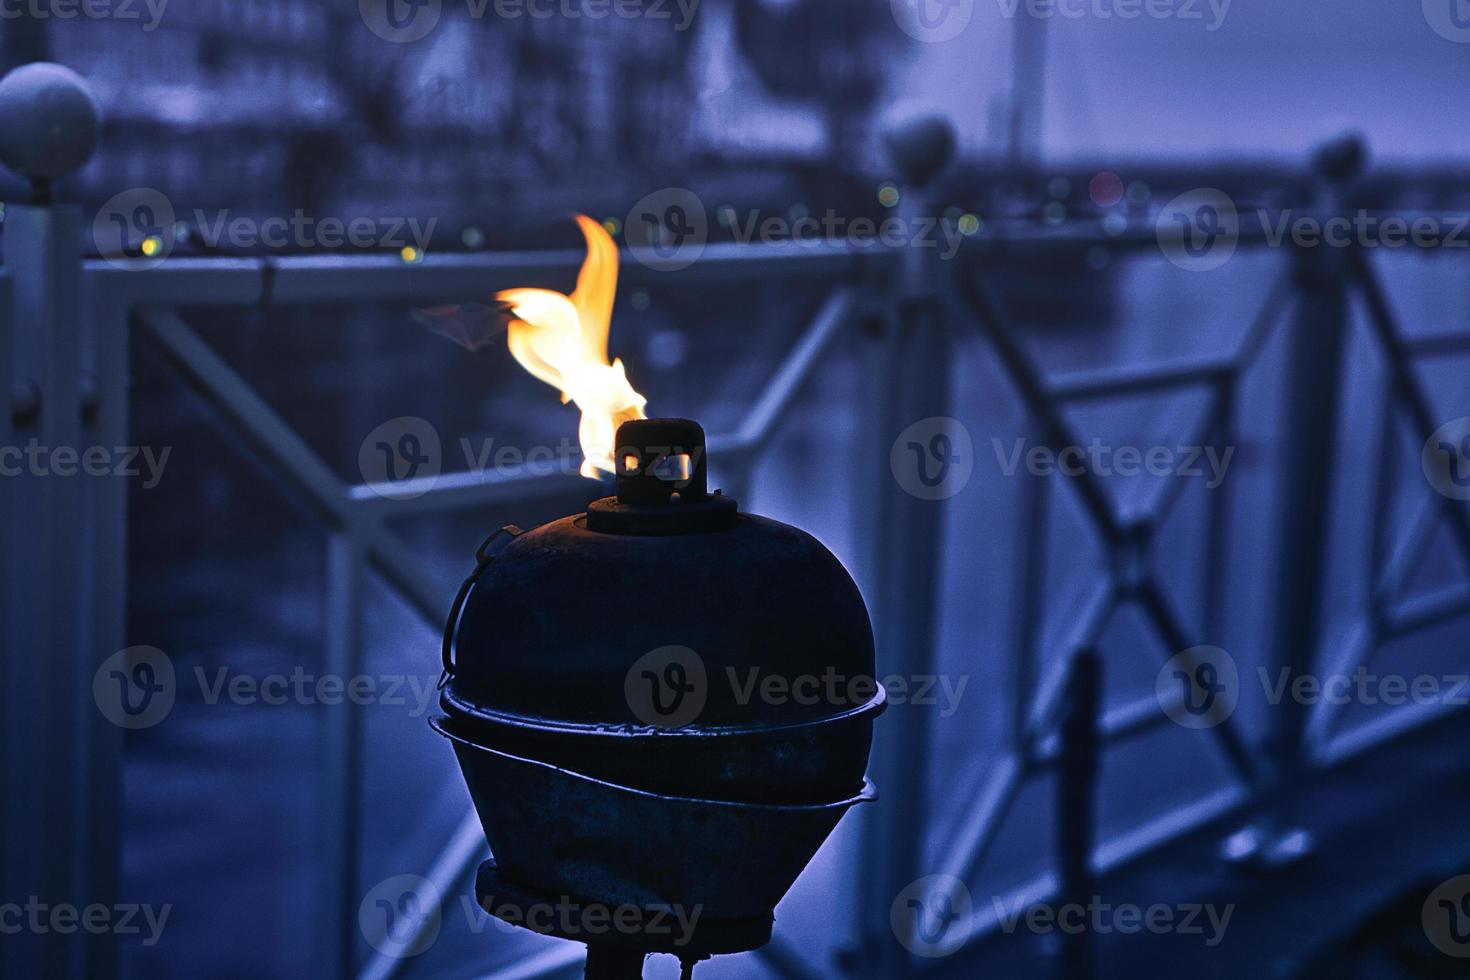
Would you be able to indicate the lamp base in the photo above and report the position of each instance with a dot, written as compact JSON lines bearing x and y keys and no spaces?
{"x":618,"y":937}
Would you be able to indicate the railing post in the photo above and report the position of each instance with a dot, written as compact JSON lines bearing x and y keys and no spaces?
{"x":1077,"y":771}
{"x":1312,"y":382}
{"x":58,"y":842}
{"x":912,"y":369}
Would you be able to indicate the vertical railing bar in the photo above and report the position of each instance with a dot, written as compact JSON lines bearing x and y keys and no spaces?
{"x":1036,"y":524}
{"x":905,"y":582}
{"x":1384,"y":497}
{"x":1313,"y":376}
{"x":109,"y":328}
{"x":1076,"y":816}
{"x":10,"y":721}
{"x":339,"y":819}
{"x":47,"y":706}
{"x":1217,"y":530}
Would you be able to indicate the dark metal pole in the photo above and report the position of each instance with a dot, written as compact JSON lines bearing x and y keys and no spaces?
{"x":914,"y":365}
{"x":1077,"y":803}
{"x":606,"y":962}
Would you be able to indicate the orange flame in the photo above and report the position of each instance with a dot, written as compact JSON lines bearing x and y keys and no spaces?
{"x":563,"y":341}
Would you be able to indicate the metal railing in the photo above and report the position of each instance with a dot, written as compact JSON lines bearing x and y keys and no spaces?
{"x":66,"y":328}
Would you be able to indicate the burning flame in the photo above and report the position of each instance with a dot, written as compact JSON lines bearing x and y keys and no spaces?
{"x":563,"y":341}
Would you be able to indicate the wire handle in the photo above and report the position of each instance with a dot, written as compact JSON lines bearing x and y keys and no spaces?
{"x":489,"y":548}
